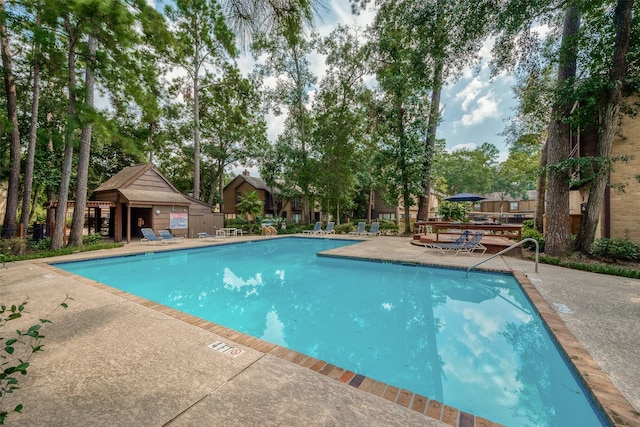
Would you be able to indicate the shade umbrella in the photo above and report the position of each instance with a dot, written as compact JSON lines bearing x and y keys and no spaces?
{"x":465,"y":197}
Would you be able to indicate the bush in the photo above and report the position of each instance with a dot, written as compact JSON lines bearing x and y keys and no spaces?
{"x":390,"y":226}
{"x":453,"y":211}
{"x":91,"y":239}
{"x":615,"y":249}
{"x":344,"y":228}
{"x":528,"y":224}
{"x":13,"y":246}
{"x":533,"y":234}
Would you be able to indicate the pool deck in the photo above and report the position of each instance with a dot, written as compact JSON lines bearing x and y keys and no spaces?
{"x":114,"y":359}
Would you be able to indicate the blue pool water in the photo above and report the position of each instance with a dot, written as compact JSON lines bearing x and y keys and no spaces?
{"x":472,"y":343}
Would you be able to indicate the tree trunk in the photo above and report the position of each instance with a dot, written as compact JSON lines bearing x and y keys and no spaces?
{"x":622,"y":23}
{"x":541,"y":189}
{"x":434,"y":118}
{"x":33,"y":129}
{"x":558,"y":229}
{"x":63,"y":192}
{"x":10,"y":215}
{"x":77,"y":226}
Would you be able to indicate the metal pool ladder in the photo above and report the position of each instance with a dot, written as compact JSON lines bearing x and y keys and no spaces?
{"x":515,"y":245}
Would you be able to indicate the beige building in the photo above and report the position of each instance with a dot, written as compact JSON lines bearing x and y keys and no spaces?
{"x":621,"y":209}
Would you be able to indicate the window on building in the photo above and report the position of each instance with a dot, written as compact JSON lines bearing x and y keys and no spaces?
{"x":513,"y":206}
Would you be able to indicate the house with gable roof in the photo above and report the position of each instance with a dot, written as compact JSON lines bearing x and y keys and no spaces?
{"x":140,"y":196}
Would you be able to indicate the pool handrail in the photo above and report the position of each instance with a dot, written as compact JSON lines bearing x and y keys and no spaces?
{"x":515,"y":245}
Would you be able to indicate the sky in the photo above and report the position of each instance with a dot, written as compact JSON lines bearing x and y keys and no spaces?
{"x":475,"y":108}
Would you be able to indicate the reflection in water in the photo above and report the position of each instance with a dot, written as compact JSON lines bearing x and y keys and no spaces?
{"x":233,"y":282}
{"x":274,"y":330}
{"x":472,"y":343}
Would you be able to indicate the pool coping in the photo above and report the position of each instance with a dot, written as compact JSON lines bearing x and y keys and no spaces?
{"x":614,"y":406}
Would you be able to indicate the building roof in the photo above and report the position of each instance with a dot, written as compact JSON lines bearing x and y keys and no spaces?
{"x":156,"y":197}
{"x":128,"y":175}
{"x":497,"y":197}
{"x":255,"y":182}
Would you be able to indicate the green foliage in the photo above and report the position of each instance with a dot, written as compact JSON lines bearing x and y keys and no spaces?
{"x":92,"y":239}
{"x":533,"y":234}
{"x":613,"y":270}
{"x":14,"y":246}
{"x":454,"y":211}
{"x":615,"y":249}
{"x":250,"y":205}
{"x":16,"y":349}
{"x":388,"y":225}
{"x":344,"y":228}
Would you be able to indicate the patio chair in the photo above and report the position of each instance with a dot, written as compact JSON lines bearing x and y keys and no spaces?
{"x":329,"y":229}
{"x":374,"y":231}
{"x":316,"y":230}
{"x":168,"y":237}
{"x":461,"y":245}
{"x":269,"y":231}
{"x":209,"y":237}
{"x":149,"y":237}
{"x":361,"y":229}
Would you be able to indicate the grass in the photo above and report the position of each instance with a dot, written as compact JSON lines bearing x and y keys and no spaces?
{"x":46,"y":253}
{"x":631,"y":270}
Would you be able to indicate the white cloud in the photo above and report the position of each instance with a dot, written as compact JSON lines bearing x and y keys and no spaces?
{"x":468,"y":146}
{"x":470,"y":92}
{"x":487,"y":107}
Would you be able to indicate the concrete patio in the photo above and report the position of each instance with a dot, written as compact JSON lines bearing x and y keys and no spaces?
{"x":114,"y":359}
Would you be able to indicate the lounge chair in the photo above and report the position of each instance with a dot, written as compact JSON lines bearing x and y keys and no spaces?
{"x":149,"y":237}
{"x":374,"y":231}
{"x":361,"y":229}
{"x":168,"y":237}
{"x":316,"y":230}
{"x":468,"y":246}
{"x":269,"y":231}
{"x":329,"y":229}
{"x":209,"y":237}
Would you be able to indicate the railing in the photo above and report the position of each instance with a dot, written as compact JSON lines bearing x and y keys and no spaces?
{"x":515,"y":245}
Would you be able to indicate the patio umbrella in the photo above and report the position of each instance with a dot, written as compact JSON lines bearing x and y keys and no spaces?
{"x":465,"y":197}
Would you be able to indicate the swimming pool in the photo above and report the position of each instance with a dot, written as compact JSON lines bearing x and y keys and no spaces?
{"x":473,"y":343}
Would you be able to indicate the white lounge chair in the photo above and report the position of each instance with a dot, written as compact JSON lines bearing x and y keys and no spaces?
{"x":361,"y":229}
{"x":149,"y":237}
{"x":316,"y":229}
{"x":168,"y":237}
{"x":329,"y":229}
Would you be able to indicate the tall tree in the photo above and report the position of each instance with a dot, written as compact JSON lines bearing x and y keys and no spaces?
{"x":233,"y":127}
{"x":558,"y":225}
{"x":287,"y":60}
{"x":73,"y":34}
{"x":339,"y":115}
{"x":77,"y":226}
{"x":610,"y":109}
{"x":202,"y":40}
{"x":10,"y":216}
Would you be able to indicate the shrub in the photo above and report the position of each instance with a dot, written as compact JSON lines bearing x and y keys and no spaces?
{"x":533,"y":234}
{"x":91,"y":239}
{"x":389,"y":225}
{"x":528,"y":224}
{"x":615,"y":249}
{"x":453,"y":211}
{"x":344,"y":228}
{"x":13,"y":246}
